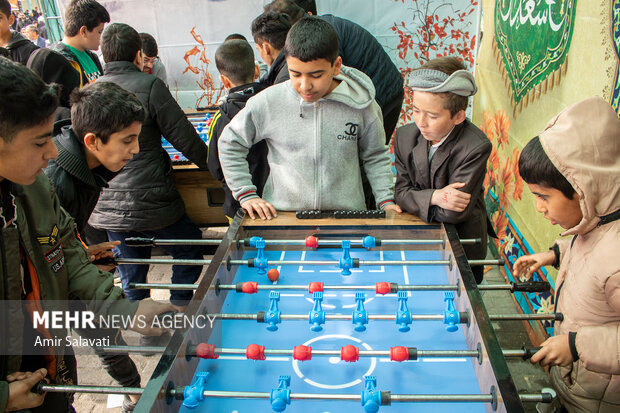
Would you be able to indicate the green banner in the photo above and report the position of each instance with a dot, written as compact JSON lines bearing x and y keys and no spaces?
{"x":533,"y":38}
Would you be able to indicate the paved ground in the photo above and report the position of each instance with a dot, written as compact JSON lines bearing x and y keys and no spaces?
{"x":89,"y":367}
{"x":511,"y":334}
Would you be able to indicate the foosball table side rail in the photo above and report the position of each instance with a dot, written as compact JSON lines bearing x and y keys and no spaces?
{"x":491,"y":368}
{"x":170,"y":373}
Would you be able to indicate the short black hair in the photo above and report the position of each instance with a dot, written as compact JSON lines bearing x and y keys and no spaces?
{"x":287,"y":7}
{"x":536,"y":168}
{"x":310,"y":39}
{"x":87,"y":13}
{"x":235,"y":60}
{"x":308,"y":6}
{"x":33,"y":27}
{"x":271,"y":27}
{"x":5,"y":8}
{"x":120,"y":42}
{"x":149,"y":45}
{"x":448,"y":65}
{"x":26,"y":100}
{"x":104,"y":108}
{"x":235,"y":36}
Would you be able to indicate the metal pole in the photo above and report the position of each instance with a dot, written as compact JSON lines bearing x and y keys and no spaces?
{"x":170,"y":261}
{"x":140,"y":241}
{"x":394,"y":398}
{"x":65,"y":388}
{"x":345,"y":317}
{"x":326,"y":352}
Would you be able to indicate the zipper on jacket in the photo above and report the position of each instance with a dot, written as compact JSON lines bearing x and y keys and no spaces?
{"x":317,"y":152}
{"x":5,"y":360}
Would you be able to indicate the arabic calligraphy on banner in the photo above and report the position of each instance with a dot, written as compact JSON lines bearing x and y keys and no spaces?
{"x":532,"y":38}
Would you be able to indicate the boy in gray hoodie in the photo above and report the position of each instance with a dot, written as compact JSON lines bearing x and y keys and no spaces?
{"x":318,"y":126}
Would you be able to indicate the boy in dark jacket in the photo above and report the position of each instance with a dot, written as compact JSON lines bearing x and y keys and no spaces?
{"x":103,"y":136}
{"x":42,"y":261}
{"x":441,"y":158}
{"x":84,"y":23}
{"x":361,"y":50}
{"x":235,"y":61}
{"x":269,"y":31}
{"x":142,"y":201}
{"x":52,"y":67}
{"x":18,"y":46}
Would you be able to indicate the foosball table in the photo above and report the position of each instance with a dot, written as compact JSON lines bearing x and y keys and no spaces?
{"x":330,"y":315}
{"x":201,"y":192}
{"x":362,"y":314}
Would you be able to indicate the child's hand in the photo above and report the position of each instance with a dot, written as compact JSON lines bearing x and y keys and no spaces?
{"x":393,"y":207}
{"x":102,"y":250}
{"x":20,"y":394}
{"x":555,"y":351}
{"x":450,"y":198}
{"x":524,"y":266}
{"x":146,"y":313}
{"x":263,"y":208}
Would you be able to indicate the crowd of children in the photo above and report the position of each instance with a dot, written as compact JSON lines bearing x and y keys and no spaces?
{"x":311,"y":133}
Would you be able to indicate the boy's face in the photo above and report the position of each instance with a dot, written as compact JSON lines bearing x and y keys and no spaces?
{"x":432,"y":118}
{"x":315,"y":79}
{"x":92,"y":39}
{"x":148,"y":63}
{"x":22,"y":159}
{"x":556,"y":207}
{"x":5,"y":23}
{"x":119,"y":149}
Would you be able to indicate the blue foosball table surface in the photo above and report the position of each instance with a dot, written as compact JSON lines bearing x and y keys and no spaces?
{"x":330,"y":374}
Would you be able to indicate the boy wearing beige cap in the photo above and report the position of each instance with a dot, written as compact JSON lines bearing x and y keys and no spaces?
{"x":441,"y":158}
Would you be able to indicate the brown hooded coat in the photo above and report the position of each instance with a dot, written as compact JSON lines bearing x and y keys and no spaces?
{"x":583,"y":142}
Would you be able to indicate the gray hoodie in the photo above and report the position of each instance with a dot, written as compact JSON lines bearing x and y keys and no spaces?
{"x":314,"y":148}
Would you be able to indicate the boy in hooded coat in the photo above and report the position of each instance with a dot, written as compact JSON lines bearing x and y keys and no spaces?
{"x":573,"y":169}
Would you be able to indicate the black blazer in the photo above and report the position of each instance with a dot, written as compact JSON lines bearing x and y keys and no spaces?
{"x":461,"y":158}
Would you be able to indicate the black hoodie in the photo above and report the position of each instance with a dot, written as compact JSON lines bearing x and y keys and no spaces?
{"x":257,"y":157}
{"x":53,"y":67}
{"x":20,"y":48}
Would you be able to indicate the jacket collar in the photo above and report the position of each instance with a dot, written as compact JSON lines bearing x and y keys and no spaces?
{"x":420,"y":154}
{"x":444,"y":150}
{"x":120,"y":67}
{"x":72,"y":159}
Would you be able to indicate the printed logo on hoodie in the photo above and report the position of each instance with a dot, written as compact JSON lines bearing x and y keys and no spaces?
{"x":350,"y":133}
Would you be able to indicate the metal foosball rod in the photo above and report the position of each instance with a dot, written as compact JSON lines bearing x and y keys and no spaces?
{"x":179,"y":393}
{"x":357,"y":263}
{"x":303,"y":353}
{"x":308,"y":242}
{"x":532,"y":286}
{"x":387,"y":317}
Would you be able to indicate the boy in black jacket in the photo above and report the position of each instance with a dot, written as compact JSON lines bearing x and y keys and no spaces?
{"x":106,"y":121}
{"x":235,"y":62}
{"x":142,"y":201}
{"x":18,"y":46}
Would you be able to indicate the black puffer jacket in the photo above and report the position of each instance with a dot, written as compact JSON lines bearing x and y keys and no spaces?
{"x":278,"y":72}
{"x":20,"y":48}
{"x":257,"y":157}
{"x":361,"y":50}
{"x":143,"y":196}
{"x":77,"y":186}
